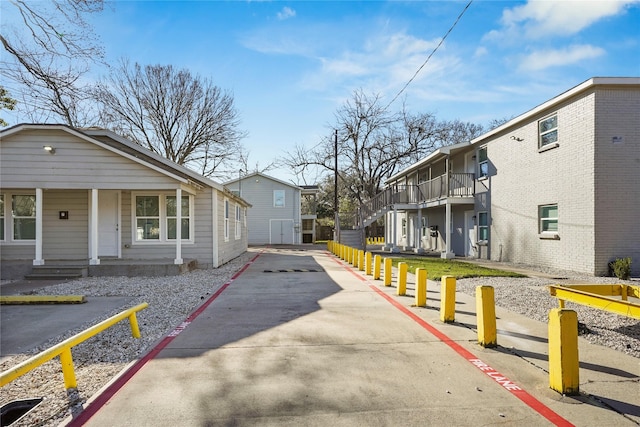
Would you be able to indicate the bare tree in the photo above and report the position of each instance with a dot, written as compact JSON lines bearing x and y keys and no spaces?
{"x":179,"y":116}
{"x":374,"y":143}
{"x":50,"y":48}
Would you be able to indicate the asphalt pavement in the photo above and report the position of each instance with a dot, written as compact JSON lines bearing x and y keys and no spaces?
{"x":320,"y":343}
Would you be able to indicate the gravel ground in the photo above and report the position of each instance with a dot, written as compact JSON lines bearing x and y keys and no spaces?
{"x":172,"y":299}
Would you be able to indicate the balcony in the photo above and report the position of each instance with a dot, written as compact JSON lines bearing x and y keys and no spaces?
{"x":458,"y":185}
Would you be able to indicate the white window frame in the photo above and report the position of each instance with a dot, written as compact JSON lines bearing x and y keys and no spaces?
{"x":482,"y":163}
{"x":542,"y":228}
{"x":188,"y":217}
{"x":547,"y":132}
{"x":14,"y":217}
{"x":3,"y":221}
{"x":163,"y":219}
{"x":424,"y":226}
{"x":404,"y":227}
{"x":279,"y":198}
{"x":225,"y":207}
{"x":238,"y":222}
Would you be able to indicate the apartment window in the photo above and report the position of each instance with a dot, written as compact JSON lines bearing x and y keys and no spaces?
{"x":548,"y":215}
{"x":238,"y":223}
{"x":548,"y":130}
{"x":24,"y":217}
{"x":2,"y":217}
{"x":156,"y":217}
{"x":483,"y":226}
{"x":424,"y":227}
{"x":278,"y":198}
{"x":483,"y":162}
{"x":226,"y":220}
{"x":404,"y":227}
{"x":172,"y":218}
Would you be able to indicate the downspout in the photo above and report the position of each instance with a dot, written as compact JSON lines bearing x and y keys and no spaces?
{"x":447,"y":254}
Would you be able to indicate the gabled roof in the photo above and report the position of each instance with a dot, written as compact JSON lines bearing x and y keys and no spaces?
{"x":115,"y":143}
{"x":251,"y":175}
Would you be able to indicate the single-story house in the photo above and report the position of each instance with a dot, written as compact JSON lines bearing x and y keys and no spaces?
{"x":282,"y":213}
{"x":557,"y":186}
{"x":91,"y":197}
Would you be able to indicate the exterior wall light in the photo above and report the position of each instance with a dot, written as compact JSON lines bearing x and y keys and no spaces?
{"x":50,"y":149}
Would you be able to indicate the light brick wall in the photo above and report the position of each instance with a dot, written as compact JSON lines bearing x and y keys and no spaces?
{"x":617,"y":177}
{"x":522,"y":178}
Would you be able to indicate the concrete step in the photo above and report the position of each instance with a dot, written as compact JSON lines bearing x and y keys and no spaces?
{"x":54,"y":272}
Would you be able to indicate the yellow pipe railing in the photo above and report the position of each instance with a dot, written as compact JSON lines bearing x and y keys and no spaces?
{"x":596,"y":296}
{"x":63,"y":349}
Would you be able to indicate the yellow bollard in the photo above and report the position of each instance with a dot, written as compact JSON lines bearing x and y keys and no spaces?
{"x":486,"y":316}
{"x":402,"y":278}
{"x":68,"y":374}
{"x":448,"y":299}
{"x":354,"y":257}
{"x":367,"y":263}
{"x":564,"y":372}
{"x":361,"y":260}
{"x":387,"y":271}
{"x":421,"y":287}
{"x":377,"y":260}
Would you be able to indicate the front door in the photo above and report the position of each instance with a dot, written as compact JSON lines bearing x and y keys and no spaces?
{"x":470,"y":234}
{"x":108,"y":223}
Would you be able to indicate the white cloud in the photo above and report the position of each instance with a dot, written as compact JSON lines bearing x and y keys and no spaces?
{"x":543,"y":18}
{"x":543,"y":59}
{"x":286,"y":13}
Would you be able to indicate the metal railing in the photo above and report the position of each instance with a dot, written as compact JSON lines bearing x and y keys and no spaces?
{"x":458,"y":185}
{"x":63,"y":349}
{"x":599,"y":296}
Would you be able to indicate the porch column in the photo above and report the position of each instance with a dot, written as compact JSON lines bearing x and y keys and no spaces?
{"x":38,"y":258}
{"x":178,"y":259}
{"x":418,"y":246}
{"x":94,"y":260}
{"x":394,"y":236}
{"x":447,"y":253}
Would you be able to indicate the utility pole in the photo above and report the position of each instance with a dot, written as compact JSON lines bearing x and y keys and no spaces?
{"x":335,"y":188}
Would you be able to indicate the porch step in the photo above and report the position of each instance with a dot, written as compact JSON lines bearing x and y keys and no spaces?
{"x":54,"y":272}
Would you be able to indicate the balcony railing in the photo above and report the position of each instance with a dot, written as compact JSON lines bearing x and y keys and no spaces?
{"x":459,"y":185}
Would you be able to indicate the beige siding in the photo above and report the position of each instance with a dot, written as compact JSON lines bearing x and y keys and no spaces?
{"x":76,"y":164}
{"x":231,"y":248}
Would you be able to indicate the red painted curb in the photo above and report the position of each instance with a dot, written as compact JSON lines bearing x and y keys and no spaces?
{"x":507,"y":384}
{"x":110,"y":391}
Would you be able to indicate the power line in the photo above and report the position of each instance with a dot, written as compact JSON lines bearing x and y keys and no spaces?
{"x":430,"y":55}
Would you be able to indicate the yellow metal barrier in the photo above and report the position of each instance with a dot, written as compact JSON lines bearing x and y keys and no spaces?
{"x":387,"y":271}
{"x":402,"y":278}
{"x":421,"y":287}
{"x":42,"y":299}
{"x":377,"y":262}
{"x":486,"y":316}
{"x":63,"y":349}
{"x":448,"y":299}
{"x":597,"y":296}
{"x":368,"y":260}
{"x":564,"y":365}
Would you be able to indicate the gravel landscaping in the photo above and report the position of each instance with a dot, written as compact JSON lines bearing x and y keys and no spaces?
{"x":172,"y":299}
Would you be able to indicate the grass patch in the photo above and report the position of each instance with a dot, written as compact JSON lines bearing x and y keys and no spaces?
{"x":438,"y":267}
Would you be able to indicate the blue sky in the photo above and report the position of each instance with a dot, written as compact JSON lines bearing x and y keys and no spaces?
{"x":291,"y":64}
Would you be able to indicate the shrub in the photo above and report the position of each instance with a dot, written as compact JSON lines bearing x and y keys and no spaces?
{"x":621,"y":268}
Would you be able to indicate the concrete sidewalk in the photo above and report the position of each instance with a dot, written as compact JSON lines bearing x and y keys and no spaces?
{"x":332,"y":347}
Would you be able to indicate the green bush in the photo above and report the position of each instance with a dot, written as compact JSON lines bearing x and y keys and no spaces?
{"x":621,"y":268}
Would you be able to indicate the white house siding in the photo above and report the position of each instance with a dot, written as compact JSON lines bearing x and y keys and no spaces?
{"x":258,"y":190}
{"x":521,"y":179}
{"x":617,"y":177}
{"x":65,"y":238}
